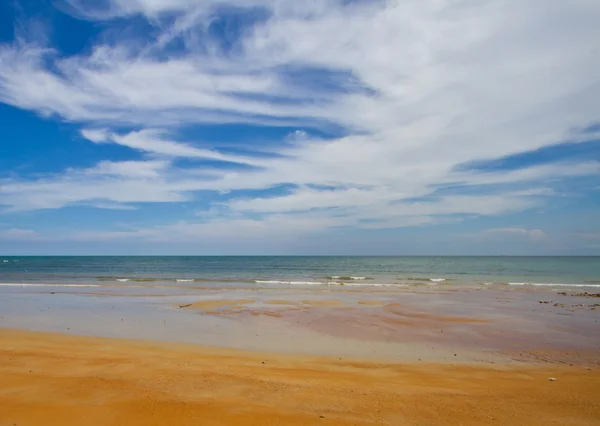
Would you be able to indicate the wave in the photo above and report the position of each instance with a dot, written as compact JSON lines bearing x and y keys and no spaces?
{"x":554,"y":285}
{"x":348,"y":278}
{"x":167,"y":279}
{"x":374,"y":284}
{"x":135,"y":279}
{"x":139,"y":280}
{"x":47,"y":285}
{"x":330,"y":283}
{"x":294,"y":282}
{"x":180,"y":280}
{"x":433,"y":280}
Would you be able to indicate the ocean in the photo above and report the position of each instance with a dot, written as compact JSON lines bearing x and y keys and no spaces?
{"x":247,"y":271}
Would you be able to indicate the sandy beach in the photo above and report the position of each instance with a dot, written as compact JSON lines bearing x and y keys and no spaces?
{"x":279,"y":356}
{"x":55,"y":379}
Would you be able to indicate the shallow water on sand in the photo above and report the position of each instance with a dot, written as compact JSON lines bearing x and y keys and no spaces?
{"x":418,"y":323}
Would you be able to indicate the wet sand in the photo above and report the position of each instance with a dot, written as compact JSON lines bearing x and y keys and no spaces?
{"x":371,"y":302}
{"x":55,"y":379}
{"x":215,"y":304}
{"x":482,"y":324}
{"x":278,"y":356}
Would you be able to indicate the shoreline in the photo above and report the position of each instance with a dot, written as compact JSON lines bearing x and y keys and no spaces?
{"x":199,"y":283}
{"x":472,"y":325}
{"x":58,"y":379}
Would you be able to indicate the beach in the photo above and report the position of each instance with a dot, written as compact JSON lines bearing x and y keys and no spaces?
{"x":55,"y":379}
{"x":81,"y":355}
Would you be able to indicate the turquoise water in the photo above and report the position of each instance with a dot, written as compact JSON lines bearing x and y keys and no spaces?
{"x":280,"y":270}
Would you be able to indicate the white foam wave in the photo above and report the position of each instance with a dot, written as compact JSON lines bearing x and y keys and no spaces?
{"x":374,"y":284}
{"x":184,"y":281}
{"x":290,"y":282}
{"x":347,"y":278}
{"x":123,"y":279}
{"x":437,"y":280}
{"x":47,"y":285}
{"x":555,"y":285}
{"x":332,"y":283}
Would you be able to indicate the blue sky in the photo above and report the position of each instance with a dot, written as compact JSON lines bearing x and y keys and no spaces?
{"x":284,"y":127}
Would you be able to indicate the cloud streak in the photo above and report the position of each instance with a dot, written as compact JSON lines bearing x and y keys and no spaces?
{"x":153,"y":141}
{"x":419,"y":89}
{"x":509,"y":233}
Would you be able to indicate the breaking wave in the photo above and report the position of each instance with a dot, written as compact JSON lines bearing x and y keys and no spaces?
{"x":433,"y":280}
{"x":329,"y":283}
{"x":294,"y":282}
{"x":554,"y":285}
{"x":167,"y":279}
{"x":348,"y":278}
{"x":47,"y":285}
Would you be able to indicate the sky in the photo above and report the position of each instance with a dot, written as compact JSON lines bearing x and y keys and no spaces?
{"x":351,"y":127}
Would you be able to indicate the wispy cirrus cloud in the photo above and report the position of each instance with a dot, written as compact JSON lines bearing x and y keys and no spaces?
{"x":153,"y":141}
{"x":531,"y":234}
{"x":419,"y":90}
{"x":17,"y":234}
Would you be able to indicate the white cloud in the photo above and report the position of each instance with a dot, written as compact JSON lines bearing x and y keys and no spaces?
{"x":530,"y":234}
{"x":16,"y":234}
{"x":545,"y":172}
{"x":129,"y":169}
{"x":154,"y":8}
{"x":95,"y":135}
{"x":113,"y":182}
{"x":272,"y":228}
{"x":421,"y":88}
{"x":113,"y":85}
{"x":153,"y":141}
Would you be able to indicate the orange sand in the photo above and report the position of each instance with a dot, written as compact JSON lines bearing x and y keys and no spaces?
{"x":51,"y":379}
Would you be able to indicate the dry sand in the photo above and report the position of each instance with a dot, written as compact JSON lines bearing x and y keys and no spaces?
{"x":53,"y":379}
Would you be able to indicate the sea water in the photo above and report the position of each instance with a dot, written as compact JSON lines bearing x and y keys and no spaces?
{"x":250,"y":271}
